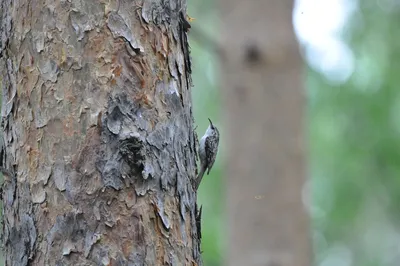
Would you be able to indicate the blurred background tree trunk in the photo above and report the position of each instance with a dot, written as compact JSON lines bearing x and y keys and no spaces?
{"x":264,"y":103}
{"x":98,"y":129}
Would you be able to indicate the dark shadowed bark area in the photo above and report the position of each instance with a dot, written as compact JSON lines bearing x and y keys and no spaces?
{"x":98,"y":129}
{"x":264,"y":103}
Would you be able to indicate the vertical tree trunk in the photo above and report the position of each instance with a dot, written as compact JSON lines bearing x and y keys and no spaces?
{"x":264,"y":120}
{"x":98,"y":129}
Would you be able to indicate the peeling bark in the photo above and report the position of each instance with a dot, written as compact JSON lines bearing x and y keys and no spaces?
{"x":98,"y":129}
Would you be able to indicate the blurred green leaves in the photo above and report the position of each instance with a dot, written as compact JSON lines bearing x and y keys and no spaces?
{"x":354,"y":131}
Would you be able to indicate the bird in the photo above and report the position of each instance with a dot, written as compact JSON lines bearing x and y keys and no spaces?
{"x":208,"y":151}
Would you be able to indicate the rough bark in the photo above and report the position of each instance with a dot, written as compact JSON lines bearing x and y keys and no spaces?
{"x":264,"y":103}
{"x":98,"y":129}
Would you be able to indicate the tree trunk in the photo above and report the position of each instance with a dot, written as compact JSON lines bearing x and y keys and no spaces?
{"x":264,"y":120}
{"x":98,"y":130}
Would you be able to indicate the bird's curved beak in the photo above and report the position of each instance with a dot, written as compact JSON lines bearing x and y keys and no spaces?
{"x":210,"y":121}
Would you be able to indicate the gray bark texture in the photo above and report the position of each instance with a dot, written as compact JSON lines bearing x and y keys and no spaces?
{"x":264,"y":116}
{"x":98,"y":131}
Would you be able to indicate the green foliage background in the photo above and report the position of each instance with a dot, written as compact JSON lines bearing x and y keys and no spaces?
{"x":353,"y":136}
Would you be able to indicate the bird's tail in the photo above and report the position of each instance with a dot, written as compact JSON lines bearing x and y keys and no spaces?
{"x":199,"y":178}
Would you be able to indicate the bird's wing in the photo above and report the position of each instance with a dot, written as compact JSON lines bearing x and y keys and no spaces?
{"x":209,"y":145}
